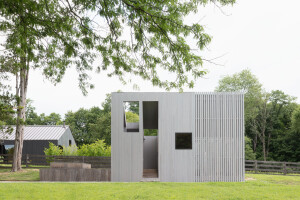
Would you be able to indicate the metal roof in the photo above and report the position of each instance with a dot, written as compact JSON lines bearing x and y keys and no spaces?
{"x":38,"y":132}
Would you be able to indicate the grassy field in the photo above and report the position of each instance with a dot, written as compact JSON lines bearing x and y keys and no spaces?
{"x":255,"y":187}
{"x":24,"y":175}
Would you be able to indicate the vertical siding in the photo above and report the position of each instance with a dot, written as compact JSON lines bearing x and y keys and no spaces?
{"x":216,"y":121}
{"x":176,"y":114}
{"x":219,"y":137}
{"x":127,"y":147}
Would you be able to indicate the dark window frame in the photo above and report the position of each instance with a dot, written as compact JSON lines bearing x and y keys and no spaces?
{"x":181,"y":146}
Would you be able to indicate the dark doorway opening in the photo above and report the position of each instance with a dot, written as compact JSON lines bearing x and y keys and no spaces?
{"x":150,"y":145}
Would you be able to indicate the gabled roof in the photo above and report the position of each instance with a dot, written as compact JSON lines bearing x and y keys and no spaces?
{"x":38,"y":132}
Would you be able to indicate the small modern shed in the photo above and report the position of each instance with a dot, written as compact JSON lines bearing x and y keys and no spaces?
{"x":37,"y":138}
{"x":194,"y":137}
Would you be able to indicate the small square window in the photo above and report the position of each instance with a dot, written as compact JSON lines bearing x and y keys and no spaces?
{"x":183,"y":141}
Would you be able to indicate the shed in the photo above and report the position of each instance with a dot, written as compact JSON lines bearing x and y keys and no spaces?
{"x":198,"y":137}
{"x":37,"y":138}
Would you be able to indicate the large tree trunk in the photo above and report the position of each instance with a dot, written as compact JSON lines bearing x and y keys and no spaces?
{"x":21,"y":117}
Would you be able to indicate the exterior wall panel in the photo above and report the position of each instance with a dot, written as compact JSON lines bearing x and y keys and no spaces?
{"x":215,"y":121}
{"x":33,"y":147}
{"x":219,"y":131}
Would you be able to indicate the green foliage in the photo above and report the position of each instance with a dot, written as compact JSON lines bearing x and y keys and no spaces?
{"x":69,"y":151}
{"x":6,"y":107}
{"x":249,"y":154}
{"x":53,"y":150}
{"x":82,"y":124}
{"x":32,"y":118}
{"x":134,"y":107}
{"x":247,"y":83}
{"x":132,"y":117}
{"x":102,"y":128}
{"x":296,"y":120}
{"x":98,"y":148}
{"x":268,"y":117}
{"x":55,"y":35}
{"x":150,"y":132}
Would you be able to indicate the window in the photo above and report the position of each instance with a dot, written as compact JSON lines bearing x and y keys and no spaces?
{"x":70,"y":142}
{"x":183,"y":140}
{"x":131,"y":116}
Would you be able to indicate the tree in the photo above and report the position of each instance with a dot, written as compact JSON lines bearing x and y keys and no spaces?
{"x":54,"y":35}
{"x":6,"y":110}
{"x":296,"y":120}
{"x":80,"y":123}
{"x":267,"y":115}
{"x":281,"y":107}
{"x":246,"y":82}
{"x":249,"y":154}
{"x":52,"y":119}
{"x":102,"y":128}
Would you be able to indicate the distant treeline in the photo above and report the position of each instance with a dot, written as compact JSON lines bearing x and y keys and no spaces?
{"x":272,"y":120}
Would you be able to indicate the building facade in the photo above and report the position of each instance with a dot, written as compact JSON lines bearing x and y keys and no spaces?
{"x":37,"y":138}
{"x":194,"y":137}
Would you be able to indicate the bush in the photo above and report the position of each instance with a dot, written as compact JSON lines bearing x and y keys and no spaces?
{"x":53,"y":150}
{"x":69,"y":151}
{"x":99,"y":148}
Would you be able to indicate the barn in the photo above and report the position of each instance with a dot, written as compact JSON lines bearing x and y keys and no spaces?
{"x":37,"y":138}
{"x":177,"y":137}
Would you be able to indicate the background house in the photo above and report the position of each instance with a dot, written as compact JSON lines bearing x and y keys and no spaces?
{"x":37,"y":138}
{"x":194,"y":137}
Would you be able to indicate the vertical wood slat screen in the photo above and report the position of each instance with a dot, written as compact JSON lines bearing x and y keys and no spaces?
{"x":219,"y":137}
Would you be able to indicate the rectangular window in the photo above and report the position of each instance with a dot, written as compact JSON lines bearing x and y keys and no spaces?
{"x":131,"y":116}
{"x":183,"y":141}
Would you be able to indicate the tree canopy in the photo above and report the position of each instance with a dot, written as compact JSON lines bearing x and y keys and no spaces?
{"x":269,"y":117}
{"x":55,"y":35}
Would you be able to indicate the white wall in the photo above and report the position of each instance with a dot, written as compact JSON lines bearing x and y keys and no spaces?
{"x":215,"y":120}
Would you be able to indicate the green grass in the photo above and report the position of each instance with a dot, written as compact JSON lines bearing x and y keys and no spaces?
{"x":257,"y":186}
{"x":24,"y":175}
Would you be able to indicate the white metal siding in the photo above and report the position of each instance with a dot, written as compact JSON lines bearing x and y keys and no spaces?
{"x":219,"y":137}
{"x":216,"y":121}
{"x":176,"y":114}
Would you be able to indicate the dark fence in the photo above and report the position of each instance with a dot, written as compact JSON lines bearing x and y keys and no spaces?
{"x":34,"y":161}
{"x":272,"y":167}
{"x":253,"y":166}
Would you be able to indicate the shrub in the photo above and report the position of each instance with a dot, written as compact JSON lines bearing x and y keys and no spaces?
{"x":99,"y":148}
{"x":53,"y":150}
{"x":69,"y":151}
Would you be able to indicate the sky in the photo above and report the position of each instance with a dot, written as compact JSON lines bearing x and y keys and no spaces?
{"x":262,"y":36}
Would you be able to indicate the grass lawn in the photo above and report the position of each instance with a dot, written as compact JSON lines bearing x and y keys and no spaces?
{"x":256,"y":187}
{"x":24,"y":175}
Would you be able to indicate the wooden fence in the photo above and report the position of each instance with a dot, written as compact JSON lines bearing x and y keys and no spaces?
{"x":34,"y":161}
{"x":272,"y":167}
